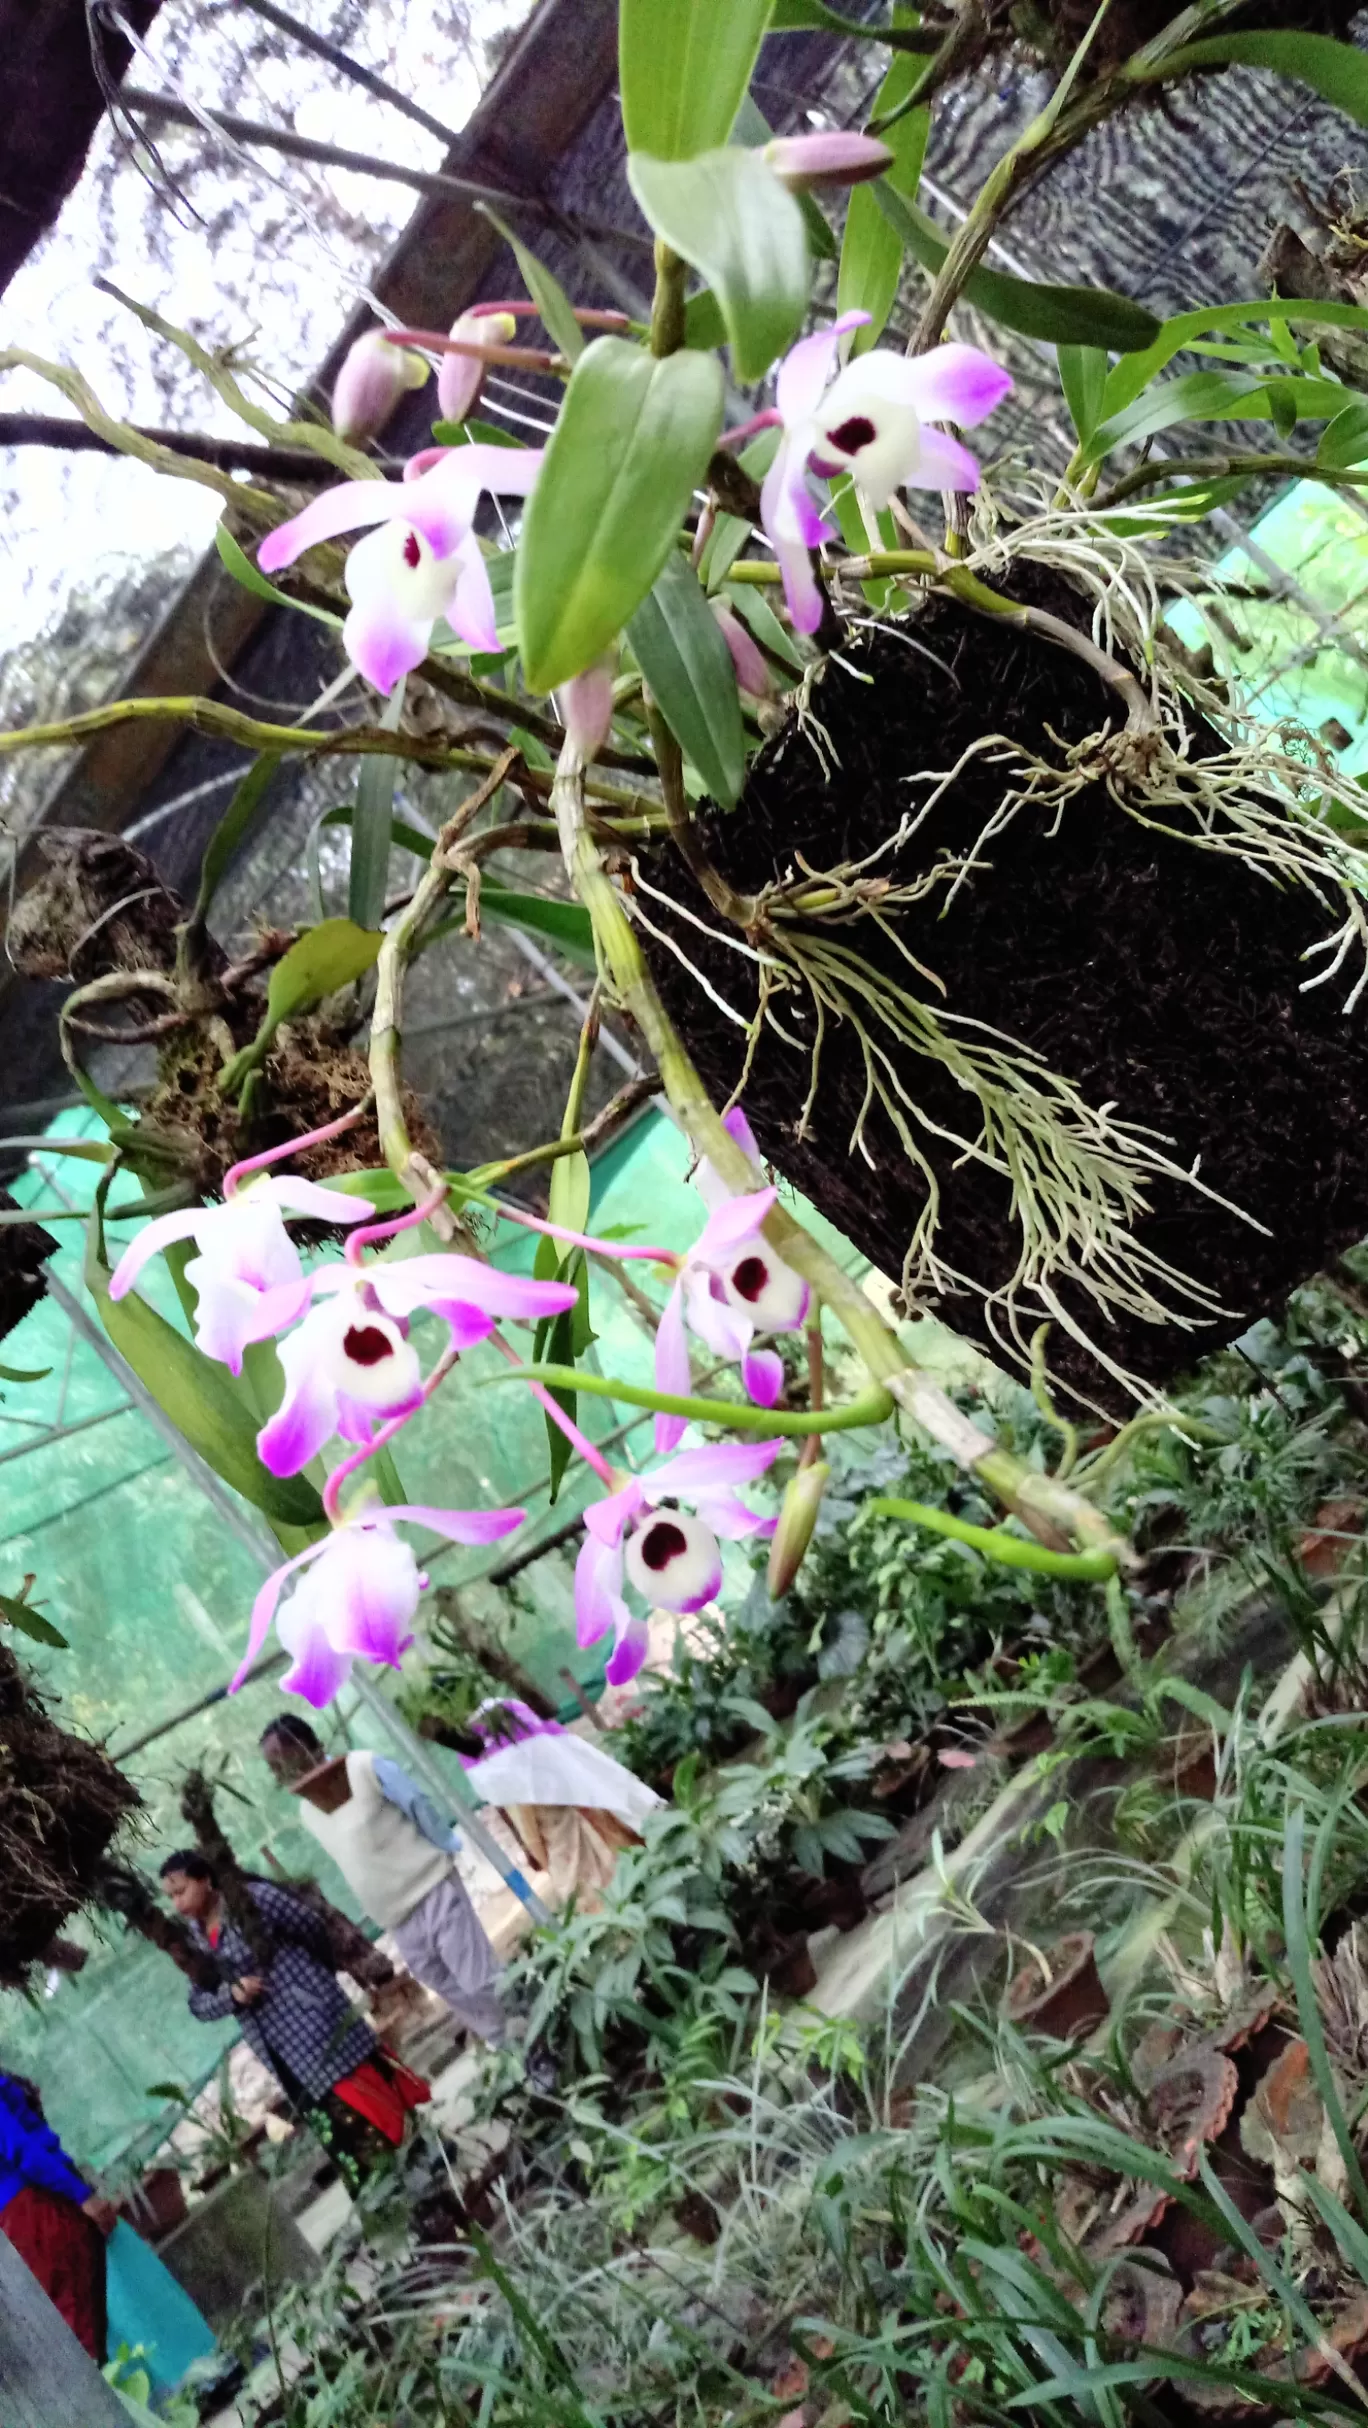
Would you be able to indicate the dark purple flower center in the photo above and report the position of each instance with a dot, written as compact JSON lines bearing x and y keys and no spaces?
{"x":749,"y":1278}
{"x":662,"y":1542}
{"x":852,"y":435}
{"x":366,"y":1345}
{"x":413,"y":554}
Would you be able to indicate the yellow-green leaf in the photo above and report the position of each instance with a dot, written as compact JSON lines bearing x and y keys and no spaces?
{"x":683,"y":67}
{"x":728,"y":214}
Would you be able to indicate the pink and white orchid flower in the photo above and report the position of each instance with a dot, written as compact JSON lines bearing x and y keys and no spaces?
{"x":372,"y":379}
{"x":730,"y":1286}
{"x":460,"y":377}
{"x":672,"y":1559}
{"x":871,"y":421}
{"x":423,"y":561}
{"x":351,"y":1367}
{"x":247,"y":1276}
{"x":359,"y":1595}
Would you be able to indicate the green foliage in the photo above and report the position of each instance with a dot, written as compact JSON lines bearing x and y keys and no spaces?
{"x":633,"y":439}
{"x":324,"y":958}
{"x":872,"y":248}
{"x":1062,"y":316}
{"x":683,"y":68}
{"x":728,"y":214}
{"x":678,"y":646}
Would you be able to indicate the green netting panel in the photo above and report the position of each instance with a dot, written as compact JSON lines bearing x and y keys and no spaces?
{"x":153,"y":1589}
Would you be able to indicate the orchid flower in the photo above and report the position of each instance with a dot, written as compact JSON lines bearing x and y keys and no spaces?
{"x":423,"y":561}
{"x":248,"y":1278}
{"x":359,"y":1596}
{"x":351,"y":1368}
{"x":730,"y":1286}
{"x":871,"y":421}
{"x":460,"y":377}
{"x":672,"y":1559}
{"x":370,"y":383}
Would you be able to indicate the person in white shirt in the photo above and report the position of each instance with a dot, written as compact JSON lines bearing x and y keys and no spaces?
{"x":397,"y":1856}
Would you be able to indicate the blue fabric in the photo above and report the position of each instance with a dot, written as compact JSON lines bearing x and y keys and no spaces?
{"x":303,"y":2024}
{"x":399,"y":1789}
{"x":148,"y":2308}
{"x":30,"y":2152}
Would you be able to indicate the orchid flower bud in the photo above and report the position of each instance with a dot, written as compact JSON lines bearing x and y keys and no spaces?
{"x":836,"y":157}
{"x":752,"y":670}
{"x":797,"y":1518}
{"x":370,"y":384}
{"x":461,"y":376}
{"x":586,"y":706}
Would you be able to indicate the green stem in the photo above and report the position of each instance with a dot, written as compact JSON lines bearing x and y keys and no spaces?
{"x":1007,"y":1548}
{"x":736,"y":1416}
{"x":667,"y":312}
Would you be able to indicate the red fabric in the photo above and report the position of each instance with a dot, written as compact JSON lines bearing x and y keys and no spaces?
{"x":383,"y":2090}
{"x":65,"y":2251}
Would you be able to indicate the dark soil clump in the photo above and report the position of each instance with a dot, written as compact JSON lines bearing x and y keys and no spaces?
{"x":1158,"y":977}
{"x":61,"y":1801}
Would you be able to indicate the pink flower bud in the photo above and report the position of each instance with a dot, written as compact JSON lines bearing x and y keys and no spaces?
{"x":752,"y":671}
{"x":459,"y":376}
{"x":586,"y":706}
{"x":370,"y":384}
{"x":835,"y":158}
{"x":797,"y":1517}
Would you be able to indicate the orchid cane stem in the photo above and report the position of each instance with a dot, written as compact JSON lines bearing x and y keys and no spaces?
{"x":995,"y":1545}
{"x":873,"y":1407}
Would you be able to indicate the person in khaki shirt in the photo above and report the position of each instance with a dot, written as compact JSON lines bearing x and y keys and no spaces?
{"x":397,"y":1856}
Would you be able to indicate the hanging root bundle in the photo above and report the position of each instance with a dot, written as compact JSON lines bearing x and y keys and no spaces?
{"x":1047,"y":1004}
{"x":61,"y":1801}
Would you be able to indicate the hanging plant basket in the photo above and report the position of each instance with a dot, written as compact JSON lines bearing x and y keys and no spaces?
{"x":61,"y":1801}
{"x":1003,"y":995}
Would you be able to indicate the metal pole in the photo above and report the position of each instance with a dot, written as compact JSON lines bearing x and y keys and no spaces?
{"x":47,"y":2378}
{"x":253,"y":1535}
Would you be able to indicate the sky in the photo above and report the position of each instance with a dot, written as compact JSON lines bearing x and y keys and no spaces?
{"x":265,"y":254}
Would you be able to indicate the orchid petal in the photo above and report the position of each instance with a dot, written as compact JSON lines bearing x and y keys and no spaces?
{"x":730,"y":1518}
{"x":471,"y":613}
{"x":606,"y":1518}
{"x":673,"y":1376}
{"x":441,"y":1282}
{"x":629,"y":1653}
{"x":296,"y":1196}
{"x":783,"y":506}
{"x":307,"y":1416}
{"x":731,"y":1226}
{"x":736,"y":1126}
{"x":384,"y":644}
{"x":723,"y":1328}
{"x":759,"y":1284}
{"x":470,"y":1526}
{"x":762,"y":1372}
{"x":346,"y":508}
{"x":230,"y":1314}
{"x":942,"y":463}
{"x":263,"y":1609}
{"x":598,"y":1596}
{"x":806,"y":368}
{"x":160,"y":1233}
{"x":368,"y":1592}
{"x":673,"y":1561}
{"x":955,"y":384}
{"x":719,"y":1467}
{"x":441,"y":503}
{"x":318,"y":1671}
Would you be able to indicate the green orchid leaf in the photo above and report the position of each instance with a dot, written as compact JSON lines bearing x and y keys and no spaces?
{"x":753,"y":129}
{"x":1335,"y":70}
{"x":324,"y":958}
{"x":18,"y":1613}
{"x":564,"y":924}
{"x":681,"y":652}
{"x":704,"y":326}
{"x":1069,"y":316}
{"x":230,"y":832}
{"x":872,"y":248}
{"x":728,"y":214}
{"x":372,"y":821}
{"x":1186,"y":330}
{"x":630,"y":446}
{"x":683,"y":69}
{"x":554,"y":305}
{"x":244,"y":571}
{"x":1083,"y":377}
{"x":1344,"y":442}
{"x":473,"y":432}
{"x":1205,"y":396}
{"x":24,"y":1374}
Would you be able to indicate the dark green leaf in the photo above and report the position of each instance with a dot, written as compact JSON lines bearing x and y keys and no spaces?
{"x":403,"y":837}
{"x":24,"y":1374}
{"x":565,"y":924}
{"x":230,"y":832}
{"x":683,"y":67}
{"x":630,"y":445}
{"x":1335,"y":70}
{"x":1070,"y":316}
{"x":547,"y":293}
{"x":1083,"y":377}
{"x":199,"y":1397}
{"x":169,"y":2090}
{"x":368,"y":878}
{"x":31,"y":1622}
{"x":243,"y":570}
{"x":1186,"y":330}
{"x":688,"y":666}
{"x":704,"y":327}
{"x":1204,"y":396}
{"x":727,"y":213}
{"x":1344,"y":441}
{"x":872,"y":248}
{"x":755,"y":610}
